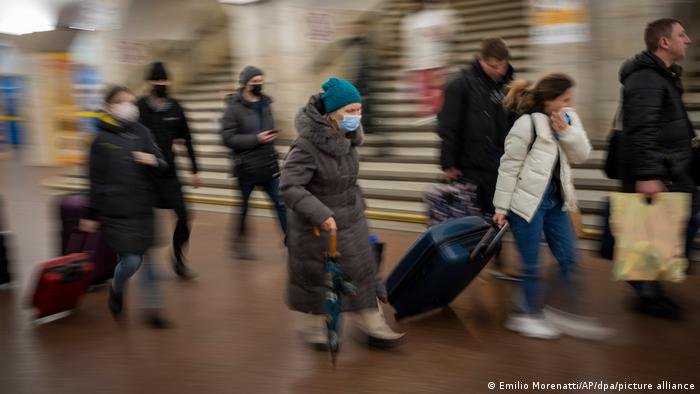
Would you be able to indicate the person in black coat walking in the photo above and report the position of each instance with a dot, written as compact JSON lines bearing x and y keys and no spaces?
{"x":655,"y":148}
{"x":473,"y":123}
{"x":123,"y":159}
{"x":166,"y":119}
{"x":248,"y":129}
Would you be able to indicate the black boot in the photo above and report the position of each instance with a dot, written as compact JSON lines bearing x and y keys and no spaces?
{"x":661,"y":307}
{"x":181,"y":270}
{"x":5,"y":277}
{"x":116,"y":304}
{"x":155,"y":319}
{"x":241,"y":250}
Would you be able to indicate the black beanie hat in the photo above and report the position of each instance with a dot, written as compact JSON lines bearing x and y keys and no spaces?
{"x":157,"y":72}
{"x":248,"y":73}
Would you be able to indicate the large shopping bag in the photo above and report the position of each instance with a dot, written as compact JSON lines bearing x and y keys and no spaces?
{"x":649,"y":236}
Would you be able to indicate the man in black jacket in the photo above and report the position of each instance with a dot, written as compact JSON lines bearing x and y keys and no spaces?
{"x":656,"y":148}
{"x":248,"y":129}
{"x":473,"y":123}
{"x":166,"y":119}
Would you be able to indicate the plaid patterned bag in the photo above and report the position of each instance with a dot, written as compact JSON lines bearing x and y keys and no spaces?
{"x":452,"y":200}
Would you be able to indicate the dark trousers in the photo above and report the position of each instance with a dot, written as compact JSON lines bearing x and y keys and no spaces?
{"x":272,"y":189}
{"x":4,"y":260}
{"x":169,"y":191}
{"x":182,"y":229}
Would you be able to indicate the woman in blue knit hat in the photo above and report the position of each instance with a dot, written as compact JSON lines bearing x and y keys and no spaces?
{"x":320,"y":190}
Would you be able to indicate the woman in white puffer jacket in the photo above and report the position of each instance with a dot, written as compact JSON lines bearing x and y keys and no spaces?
{"x":535,"y":192}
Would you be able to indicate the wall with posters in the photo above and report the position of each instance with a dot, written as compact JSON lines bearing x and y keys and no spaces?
{"x":298,"y":43}
{"x":589,"y":40}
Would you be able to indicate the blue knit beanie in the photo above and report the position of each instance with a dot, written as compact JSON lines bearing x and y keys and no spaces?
{"x":338,"y":93}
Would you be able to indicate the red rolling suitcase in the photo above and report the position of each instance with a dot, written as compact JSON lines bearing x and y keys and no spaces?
{"x":64,"y":279}
{"x":61,"y":283}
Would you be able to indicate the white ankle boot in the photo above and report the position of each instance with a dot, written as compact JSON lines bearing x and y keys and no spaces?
{"x":313,"y":330}
{"x":373,"y":324}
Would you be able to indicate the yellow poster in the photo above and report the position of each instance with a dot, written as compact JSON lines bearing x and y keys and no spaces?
{"x":68,"y":143}
{"x":559,"y":22}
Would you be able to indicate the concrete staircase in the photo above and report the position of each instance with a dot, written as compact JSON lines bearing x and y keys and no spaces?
{"x":399,"y":161}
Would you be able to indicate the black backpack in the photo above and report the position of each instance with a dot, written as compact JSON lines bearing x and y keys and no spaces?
{"x":612,"y":160}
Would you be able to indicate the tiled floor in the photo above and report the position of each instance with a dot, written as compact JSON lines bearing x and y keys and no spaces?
{"x":234,"y":334}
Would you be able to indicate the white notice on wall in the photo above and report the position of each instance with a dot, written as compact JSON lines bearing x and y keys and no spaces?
{"x":130,"y":52}
{"x":320,"y":27}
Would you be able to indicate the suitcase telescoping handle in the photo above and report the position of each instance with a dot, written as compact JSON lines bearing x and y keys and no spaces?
{"x":80,"y":241}
{"x":489,"y":242}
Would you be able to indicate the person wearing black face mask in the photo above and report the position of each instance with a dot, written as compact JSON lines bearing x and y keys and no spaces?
{"x":248,"y":129}
{"x":256,"y":90}
{"x":160,"y":91}
{"x":166,"y":119}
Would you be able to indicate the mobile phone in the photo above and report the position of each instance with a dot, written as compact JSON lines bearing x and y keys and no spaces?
{"x":567,"y":118}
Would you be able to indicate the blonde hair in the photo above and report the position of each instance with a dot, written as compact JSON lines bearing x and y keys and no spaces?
{"x":522,"y":98}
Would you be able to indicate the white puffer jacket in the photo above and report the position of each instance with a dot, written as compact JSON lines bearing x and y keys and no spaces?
{"x":524,"y":175}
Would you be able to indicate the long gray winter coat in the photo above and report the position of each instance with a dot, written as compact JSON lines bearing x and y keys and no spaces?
{"x":319,"y":180}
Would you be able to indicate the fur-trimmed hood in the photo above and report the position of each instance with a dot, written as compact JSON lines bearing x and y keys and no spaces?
{"x":312,"y":124}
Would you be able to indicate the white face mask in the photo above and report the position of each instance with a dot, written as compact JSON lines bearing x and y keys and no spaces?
{"x":125,"y":112}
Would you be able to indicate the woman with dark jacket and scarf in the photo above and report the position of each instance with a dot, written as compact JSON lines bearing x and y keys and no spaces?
{"x":123,"y":158}
{"x":319,"y":187}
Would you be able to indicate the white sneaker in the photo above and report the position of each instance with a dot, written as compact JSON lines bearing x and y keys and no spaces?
{"x":532,"y":326}
{"x":577,"y":326}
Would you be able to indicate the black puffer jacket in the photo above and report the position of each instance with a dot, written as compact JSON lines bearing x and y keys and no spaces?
{"x":657,"y":133}
{"x":242,"y":122}
{"x":473,"y":125}
{"x":122,"y":191}
{"x":167,"y":124}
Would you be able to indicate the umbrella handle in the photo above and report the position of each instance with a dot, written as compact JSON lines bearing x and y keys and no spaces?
{"x":332,"y":241}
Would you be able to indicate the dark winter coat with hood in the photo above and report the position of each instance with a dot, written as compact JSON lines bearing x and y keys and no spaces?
{"x":473,"y":125}
{"x":319,"y":180}
{"x":122,"y":191}
{"x":657,"y":133}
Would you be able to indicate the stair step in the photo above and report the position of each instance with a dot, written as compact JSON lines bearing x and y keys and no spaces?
{"x":402,"y":8}
{"x":204,"y":116}
{"x":507,"y":33}
{"x":516,"y":45}
{"x":373,"y":190}
{"x":217,"y":78}
{"x":207,"y":88}
{"x":204,"y":105}
{"x":475,"y":18}
{"x":186,"y":98}
{"x":693,"y":114}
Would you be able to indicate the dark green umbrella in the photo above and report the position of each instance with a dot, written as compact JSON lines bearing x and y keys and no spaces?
{"x":337,"y":285}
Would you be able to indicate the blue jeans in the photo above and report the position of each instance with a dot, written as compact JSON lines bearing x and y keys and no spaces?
{"x":127,"y":267}
{"x":272,"y":189}
{"x":560,"y":237}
